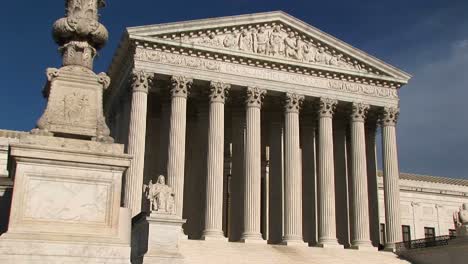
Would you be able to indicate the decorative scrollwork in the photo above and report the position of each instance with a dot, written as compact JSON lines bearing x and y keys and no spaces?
{"x":219,"y":91}
{"x":141,"y":81}
{"x":255,"y":96}
{"x":80,"y":34}
{"x":389,"y":116}
{"x":293,"y":102}
{"x":359,"y":112}
{"x":181,"y":86}
{"x":327,"y":107}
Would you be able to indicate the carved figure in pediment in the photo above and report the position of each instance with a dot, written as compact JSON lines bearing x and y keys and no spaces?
{"x":335,"y":60}
{"x":290,"y":48}
{"x":160,"y":196}
{"x":246,"y":41}
{"x":321,"y":56}
{"x":302,"y":49}
{"x":276,"y":41}
{"x":211,"y":40}
{"x":261,"y":41}
{"x":230,"y":41}
{"x":310,"y":53}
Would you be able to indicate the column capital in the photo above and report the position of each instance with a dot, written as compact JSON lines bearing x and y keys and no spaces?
{"x":293,"y":102}
{"x":255,"y":96}
{"x":219,"y":91}
{"x":415,"y":204}
{"x":389,"y":116}
{"x":181,"y":86}
{"x":327,"y":107}
{"x":141,"y":81}
{"x":359,"y":111}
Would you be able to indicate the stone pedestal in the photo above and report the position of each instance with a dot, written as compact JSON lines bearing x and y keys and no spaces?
{"x":74,"y":104}
{"x":66,"y":203}
{"x":155,"y":238}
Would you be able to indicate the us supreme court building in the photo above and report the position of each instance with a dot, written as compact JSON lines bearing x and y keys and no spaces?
{"x":264,"y":126}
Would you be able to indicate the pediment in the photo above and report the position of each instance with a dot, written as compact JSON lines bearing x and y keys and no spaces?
{"x":272,"y":36}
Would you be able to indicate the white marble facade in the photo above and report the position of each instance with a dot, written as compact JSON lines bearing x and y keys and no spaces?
{"x":265,"y":128}
{"x":261,"y":124}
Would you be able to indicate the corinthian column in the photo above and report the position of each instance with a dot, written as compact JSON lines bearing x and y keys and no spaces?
{"x":252,"y":194}
{"x":292,"y":172}
{"x":136,"y":141}
{"x":391,"y":177}
{"x":214,"y":183}
{"x":360,"y":204}
{"x":326,"y":175}
{"x":176,"y":152}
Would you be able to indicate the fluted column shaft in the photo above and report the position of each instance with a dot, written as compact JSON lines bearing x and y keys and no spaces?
{"x":136,"y":141}
{"x":326,"y":174}
{"x":252,"y":183}
{"x":360,"y":204}
{"x":215,"y":162}
{"x":391,"y":178}
{"x":292,"y":173}
{"x":176,"y":151}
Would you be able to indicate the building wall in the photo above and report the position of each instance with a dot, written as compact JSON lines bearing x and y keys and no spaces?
{"x":426,"y":204}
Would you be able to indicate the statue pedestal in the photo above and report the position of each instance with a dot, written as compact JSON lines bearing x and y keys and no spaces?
{"x":462,"y":231}
{"x":155,"y":238}
{"x":66,"y":203}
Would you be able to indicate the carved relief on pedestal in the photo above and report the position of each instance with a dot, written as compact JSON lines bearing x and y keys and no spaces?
{"x":160,"y":196}
{"x":277,"y":40}
{"x":74,"y":92}
{"x":293,"y":102}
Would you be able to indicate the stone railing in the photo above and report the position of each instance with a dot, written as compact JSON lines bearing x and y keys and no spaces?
{"x":423,"y":243}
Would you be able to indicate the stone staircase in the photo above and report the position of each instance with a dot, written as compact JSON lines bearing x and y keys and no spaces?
{"x":220,"y":252}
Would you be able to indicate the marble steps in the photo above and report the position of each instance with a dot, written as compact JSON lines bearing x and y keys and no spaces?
{"x":221,"y":252}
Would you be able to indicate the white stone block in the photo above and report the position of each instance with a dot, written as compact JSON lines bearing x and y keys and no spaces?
{"x":66,"y":203}
{"x":155,"y":238}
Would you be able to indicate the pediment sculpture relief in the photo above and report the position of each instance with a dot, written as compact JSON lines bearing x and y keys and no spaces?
{"x":160,"y":196}
{"x":277,"y":41}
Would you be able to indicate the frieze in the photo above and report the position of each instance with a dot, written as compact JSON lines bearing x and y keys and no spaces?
{"x":274,"y":40}
{"x":262,"y":73}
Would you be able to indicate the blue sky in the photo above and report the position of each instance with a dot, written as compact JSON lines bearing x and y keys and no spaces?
{"x":427,"y":38}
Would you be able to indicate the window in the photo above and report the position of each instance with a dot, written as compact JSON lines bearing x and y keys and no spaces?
{"x":406,"y":233}
{"x":452,"y":232}
{"x":429,"y":232}
{"x":382,"y":234}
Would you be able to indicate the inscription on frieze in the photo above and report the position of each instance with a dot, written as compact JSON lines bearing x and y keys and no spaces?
{"x":261,"y":73}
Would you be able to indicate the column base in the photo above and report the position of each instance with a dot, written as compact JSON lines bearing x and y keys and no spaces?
{"x":390,"y":247}
{"x":363,"y":246}
{"x":255,"y":238}
{"x":213,"y":235}
{"x":294,"y":243}
{"x":329,"y":243}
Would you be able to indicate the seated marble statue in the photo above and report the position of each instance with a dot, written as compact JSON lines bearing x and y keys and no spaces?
{"x":160,"y":195}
